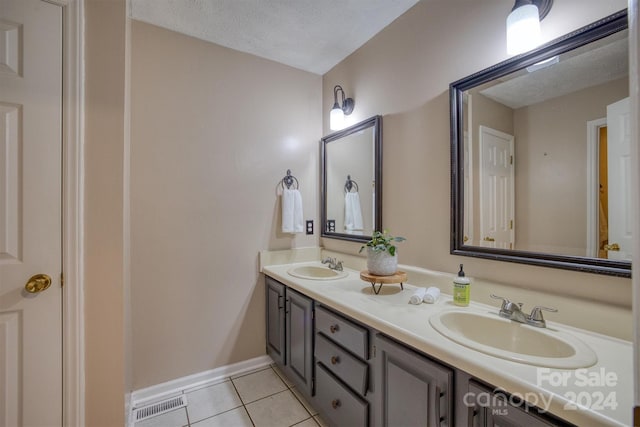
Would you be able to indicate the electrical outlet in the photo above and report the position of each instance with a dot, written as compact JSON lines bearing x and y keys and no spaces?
{"x":310,"y":226}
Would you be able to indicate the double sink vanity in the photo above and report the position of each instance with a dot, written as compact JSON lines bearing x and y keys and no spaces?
{"x":366,"y":359}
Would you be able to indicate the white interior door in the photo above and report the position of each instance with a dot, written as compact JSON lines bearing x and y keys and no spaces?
{"x":497,"y":199}
{"x":619,"y":170}
{"x":30,"y":213}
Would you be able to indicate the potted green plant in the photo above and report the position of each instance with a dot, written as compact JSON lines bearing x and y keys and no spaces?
{"x":382,"y":254}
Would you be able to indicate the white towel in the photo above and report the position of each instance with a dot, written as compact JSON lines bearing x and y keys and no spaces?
{"x":432,"y":294}
{"x":352,"y":212}
{"x":417,"y":296}
{"x":292,"y":221}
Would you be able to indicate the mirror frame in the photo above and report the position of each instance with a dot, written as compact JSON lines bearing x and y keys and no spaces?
{"x":374,"y":122}
{"x":590,"y":33}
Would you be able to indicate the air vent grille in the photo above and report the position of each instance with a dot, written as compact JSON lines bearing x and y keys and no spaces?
{"x":160,"y":408}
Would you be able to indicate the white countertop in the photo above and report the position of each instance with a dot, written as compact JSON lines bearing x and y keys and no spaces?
{"x":599,"y":395}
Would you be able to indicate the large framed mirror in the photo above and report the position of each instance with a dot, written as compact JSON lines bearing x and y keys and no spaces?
{"x":540,"y":146}
{"x":351,"y":182}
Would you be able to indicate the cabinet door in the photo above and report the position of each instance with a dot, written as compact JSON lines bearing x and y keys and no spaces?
{"x":275,"y":321}
{"x":411,"y":390}
{"x":299,"y":327}
{"x":490,"y":409}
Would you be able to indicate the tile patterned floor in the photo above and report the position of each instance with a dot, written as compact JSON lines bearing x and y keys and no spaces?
{"x":261,"y":398}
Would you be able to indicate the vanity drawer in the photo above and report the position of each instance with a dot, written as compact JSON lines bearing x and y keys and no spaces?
{"x":346,"y":333}
{"x":340,"y":405}
{"x":351,"y":370}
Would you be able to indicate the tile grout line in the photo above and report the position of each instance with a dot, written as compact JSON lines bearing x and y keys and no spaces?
{"x":242,"y":401}
{"x":290,"y":388}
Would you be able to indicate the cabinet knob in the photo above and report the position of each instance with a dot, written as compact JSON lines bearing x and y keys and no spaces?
{"x":335,"y":403}
{"x":333,"y":328}
{"x":335,"y":360}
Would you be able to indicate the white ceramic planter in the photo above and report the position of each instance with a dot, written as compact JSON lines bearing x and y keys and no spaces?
{"x":381,"y":263}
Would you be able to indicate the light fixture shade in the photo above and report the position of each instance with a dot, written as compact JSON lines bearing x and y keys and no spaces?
{"x":523,"y":29}
{"x":336,"y":118}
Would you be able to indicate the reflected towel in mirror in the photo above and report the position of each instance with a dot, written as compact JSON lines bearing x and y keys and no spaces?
{"x":352,"y":212}
{"x":292,"y":216}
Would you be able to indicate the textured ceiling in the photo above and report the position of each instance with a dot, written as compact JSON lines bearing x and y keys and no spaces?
{"x":595,"y":64}
{"x":312,"y":35}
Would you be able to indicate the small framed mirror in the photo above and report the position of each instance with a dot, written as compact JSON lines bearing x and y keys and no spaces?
{"x":351,"y":181}
{"x":539,"y":161}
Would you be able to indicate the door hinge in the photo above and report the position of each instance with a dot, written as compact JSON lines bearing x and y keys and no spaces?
{"x":374,"y":351}
{"x":510,"y":224}
{"x":510,"y":160}
{"x":62,"y":280}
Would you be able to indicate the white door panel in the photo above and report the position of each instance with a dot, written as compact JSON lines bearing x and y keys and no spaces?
{"x":30,"y":212}
{"x":619,"y":170}
{"x":497,"y":202}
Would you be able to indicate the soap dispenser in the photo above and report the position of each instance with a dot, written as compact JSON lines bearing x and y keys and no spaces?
{"x":461,"y":289}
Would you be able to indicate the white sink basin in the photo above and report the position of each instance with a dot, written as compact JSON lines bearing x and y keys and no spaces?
{"x":514,"y":341}
{"x":315,"y":272}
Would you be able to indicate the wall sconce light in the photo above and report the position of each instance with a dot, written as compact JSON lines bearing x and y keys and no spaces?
{"x":523,"y":25}
{"x":336,"y":117}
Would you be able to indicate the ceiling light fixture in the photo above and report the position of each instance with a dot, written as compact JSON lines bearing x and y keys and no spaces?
{"x":336,"y":117}
{"x":523,"y":25}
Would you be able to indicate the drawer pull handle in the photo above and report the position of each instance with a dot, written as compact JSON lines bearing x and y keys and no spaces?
{"x":335,"y":403}
{"x":333,"y":328}
{"x":335,"y":360}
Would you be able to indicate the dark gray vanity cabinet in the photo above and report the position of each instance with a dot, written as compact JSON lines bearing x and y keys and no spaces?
{"x":275,"y":320}
{"x":411,"y":389}
{"x":363,"y":378}
{"x":488,"y":407}
{"x":342,"y":370}
{"x":289,"y":330}
{"x":299,"y":340}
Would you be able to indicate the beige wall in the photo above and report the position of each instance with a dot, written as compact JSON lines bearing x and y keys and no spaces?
{"x":551,"y":168}
{"x":104,"y":242}
{"x":403,"y":73}
{"x":213,"y":132}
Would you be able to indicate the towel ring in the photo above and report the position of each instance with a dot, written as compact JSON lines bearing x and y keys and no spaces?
{"x":348,"y":186}
{"x":289,"y":180}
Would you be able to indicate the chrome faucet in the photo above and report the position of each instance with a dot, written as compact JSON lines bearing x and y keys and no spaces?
{"x":513,"y":311}
{"x":334,"y":264}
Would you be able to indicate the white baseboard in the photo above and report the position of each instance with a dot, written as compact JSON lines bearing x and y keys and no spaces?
{"x":171,"y":388}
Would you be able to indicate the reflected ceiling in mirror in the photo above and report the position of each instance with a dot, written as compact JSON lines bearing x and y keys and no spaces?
{"x":352,"y":181}
{"x":539,"y":148}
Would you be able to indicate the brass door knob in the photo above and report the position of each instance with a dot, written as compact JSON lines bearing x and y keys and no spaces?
{"x":612,"y":247}
{"x":38,"y":283}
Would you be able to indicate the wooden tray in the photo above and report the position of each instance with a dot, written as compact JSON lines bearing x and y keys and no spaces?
{"x":398,"y":277}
